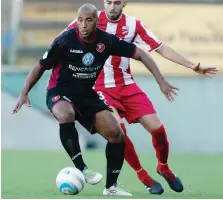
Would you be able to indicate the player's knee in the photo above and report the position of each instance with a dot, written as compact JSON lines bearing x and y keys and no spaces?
{"x":150,"y":122}
{"x":66,"y":117}
{"x":155,"y":126}
{"x":116,"y":135}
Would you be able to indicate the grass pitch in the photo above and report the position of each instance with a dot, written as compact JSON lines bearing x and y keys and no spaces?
{"x":32,"y":174}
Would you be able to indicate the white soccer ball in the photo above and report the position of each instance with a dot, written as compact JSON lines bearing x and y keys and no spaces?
{"x":70,"y":180}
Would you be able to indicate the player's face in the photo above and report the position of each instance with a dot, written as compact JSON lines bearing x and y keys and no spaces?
{"x":86,"y":24}
{"x":114,"y":8}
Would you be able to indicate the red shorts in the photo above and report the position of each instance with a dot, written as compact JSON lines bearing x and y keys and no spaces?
{"x":130,"y":101}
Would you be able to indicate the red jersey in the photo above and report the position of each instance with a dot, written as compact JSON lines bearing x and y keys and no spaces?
{"x":116,"y":70}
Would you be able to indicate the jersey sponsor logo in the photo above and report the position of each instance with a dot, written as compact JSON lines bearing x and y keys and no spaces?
{"x":84,"y":69}
{"x":84,"y":75}
{"x":56,"y":98}
{"x":100,"y":47}
{"x":75,"y":51}
{"x":88,"y":59}
{"x":45,"y":55}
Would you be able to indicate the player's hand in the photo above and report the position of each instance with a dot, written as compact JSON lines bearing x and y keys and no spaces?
{"x":23,"y":99}
{"x":206,"y":71}
{"x":168,"y":90}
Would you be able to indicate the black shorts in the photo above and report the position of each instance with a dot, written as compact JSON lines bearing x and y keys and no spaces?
{"x":85,"y":106}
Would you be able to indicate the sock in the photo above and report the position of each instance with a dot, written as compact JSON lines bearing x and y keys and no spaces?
{"x":161,"y":144}
{"x":70,"y":141}
{"x":130,"y":153}
{"x":115,"y":159}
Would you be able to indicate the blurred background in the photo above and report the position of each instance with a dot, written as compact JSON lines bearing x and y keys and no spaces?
{"x":192,"y":27}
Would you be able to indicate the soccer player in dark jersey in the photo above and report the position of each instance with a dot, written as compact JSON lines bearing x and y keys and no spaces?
{"x":76,"y":58}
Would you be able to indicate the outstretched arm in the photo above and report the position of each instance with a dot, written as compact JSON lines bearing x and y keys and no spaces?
{"x":148,"y":39}
{"x":167,"y":89}
{"x":168,"y":53}
{"x":150,"y":64}
{"x":31,"y":80}
{"x":48,"y":61}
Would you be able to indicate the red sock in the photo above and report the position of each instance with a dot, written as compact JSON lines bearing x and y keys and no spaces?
{"x":161,"y":144}
{"x":130,"y":154}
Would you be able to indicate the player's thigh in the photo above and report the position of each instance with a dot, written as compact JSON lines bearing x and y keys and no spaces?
{"x":63,"y":111}
{"x":116,"y":114}
{"x":61,"y":108}
{"x":150,"y":122}
{"x":137,"y":104}
{"x":91,"y":109}
{"x":107,"y":125}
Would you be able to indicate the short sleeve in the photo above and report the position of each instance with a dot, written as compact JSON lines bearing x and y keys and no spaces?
{"x":52,"y":56}
{"x":146,"y":38}
{"x":118,"y":47}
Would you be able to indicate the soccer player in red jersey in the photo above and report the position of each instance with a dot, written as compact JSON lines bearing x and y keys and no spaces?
{"x":116,"y":85}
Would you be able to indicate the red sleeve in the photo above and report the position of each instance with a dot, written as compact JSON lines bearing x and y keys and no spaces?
{"x":146,"y":37}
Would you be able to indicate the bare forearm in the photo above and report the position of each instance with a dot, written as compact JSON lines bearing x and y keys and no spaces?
{"x":150,"y":64}
{"x":168,"y":53}
{"x":32,"y":79}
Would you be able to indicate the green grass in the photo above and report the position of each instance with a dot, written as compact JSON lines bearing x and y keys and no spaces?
{"x":31,"y":174}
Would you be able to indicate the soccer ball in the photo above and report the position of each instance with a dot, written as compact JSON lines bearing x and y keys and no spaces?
{"x":70,"y":180}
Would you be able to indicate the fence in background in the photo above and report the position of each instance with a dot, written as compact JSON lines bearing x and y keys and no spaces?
{"x":192,"y":121}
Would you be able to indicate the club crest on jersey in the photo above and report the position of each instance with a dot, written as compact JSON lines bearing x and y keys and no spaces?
{"x":100,"y":47}
{"x":125,"y":30}
{"x":56,"y":98}
{"x":88,"y":59}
